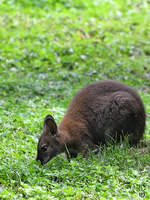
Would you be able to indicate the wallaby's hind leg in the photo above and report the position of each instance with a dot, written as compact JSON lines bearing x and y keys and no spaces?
{"x":125,"y":116}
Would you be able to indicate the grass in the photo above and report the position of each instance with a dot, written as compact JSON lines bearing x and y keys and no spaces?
{"x":48,"y":50}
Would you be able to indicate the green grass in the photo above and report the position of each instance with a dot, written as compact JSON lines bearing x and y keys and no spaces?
{"x":48,"y":50}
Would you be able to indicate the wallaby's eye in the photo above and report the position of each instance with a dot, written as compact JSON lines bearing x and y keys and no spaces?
{"x":44,"y":148}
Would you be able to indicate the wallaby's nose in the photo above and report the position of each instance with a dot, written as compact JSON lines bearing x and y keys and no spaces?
{"x":37,"y":158}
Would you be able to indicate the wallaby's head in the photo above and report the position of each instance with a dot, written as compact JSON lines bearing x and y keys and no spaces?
{"x":48,"y":145}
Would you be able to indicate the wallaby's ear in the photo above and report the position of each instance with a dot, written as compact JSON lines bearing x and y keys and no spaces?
{"x":50,"y":124}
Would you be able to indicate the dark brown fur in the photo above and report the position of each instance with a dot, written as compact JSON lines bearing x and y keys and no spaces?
{"x":101,"y":112}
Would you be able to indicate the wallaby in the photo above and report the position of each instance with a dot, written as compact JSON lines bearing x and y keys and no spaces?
{"x":102,"y":112}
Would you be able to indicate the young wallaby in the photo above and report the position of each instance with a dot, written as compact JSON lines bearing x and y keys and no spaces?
{"x":102,"y":112}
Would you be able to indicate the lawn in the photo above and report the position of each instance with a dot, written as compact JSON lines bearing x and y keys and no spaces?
{"x":48,"y":50}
